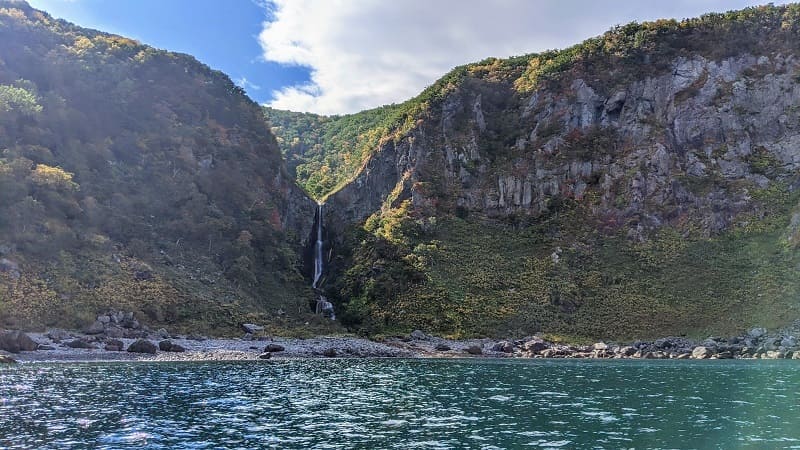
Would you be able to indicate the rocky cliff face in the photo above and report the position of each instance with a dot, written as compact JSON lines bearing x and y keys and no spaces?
{"x":691,"y":144}
{"x":628,"y":190}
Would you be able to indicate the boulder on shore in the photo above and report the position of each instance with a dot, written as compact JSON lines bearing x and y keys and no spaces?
{"x":114,"y":345}
{"x":142,"y":346}
{"x":17,"y":341}
{"x":701,"y":352}
{"x":535,"y":346}
{"x":503,"y":346}
{"x":443,"y":347}
{"x":7,"y":360}
{"x":329,"y":353}
{"x":272,"y":348}
{"x":474,"y":350}
{"x":418,"y":335}
{"x":79,"y":343}
{"x":97,"y":327}
{"x":169,"y":346}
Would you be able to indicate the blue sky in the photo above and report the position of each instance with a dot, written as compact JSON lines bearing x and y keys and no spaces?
{"x":342,"y":56}
{"x":220,"y":33}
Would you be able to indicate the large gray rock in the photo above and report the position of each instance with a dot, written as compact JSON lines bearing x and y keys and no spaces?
{"x":535,"y":346}
{"x":724,"y":355}
{"x":17,"y":341}
{"x":272,"y":348}
{"x":79,"y":343}
{"x":58,"y":335}
{"x":418,"y":335}
{"x":503,"y":346}
{"x":757,"y":332}
{"x":474,"y":350}
{"x":142,"y":346}
{"x":114,"y":345}
{"x":169,"y":346}
{"x":701,"y":352}
{"x":97,"y":327}
{"x":114,"y":331}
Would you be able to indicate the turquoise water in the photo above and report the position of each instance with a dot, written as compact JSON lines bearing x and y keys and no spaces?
{"x":403,"y":404}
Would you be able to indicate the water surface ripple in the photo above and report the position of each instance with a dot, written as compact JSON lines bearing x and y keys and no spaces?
{"x":405,"y":404}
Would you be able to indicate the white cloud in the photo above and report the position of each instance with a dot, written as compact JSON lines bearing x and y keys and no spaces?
{"x":366,"y":53}
{"x":244,"y":83}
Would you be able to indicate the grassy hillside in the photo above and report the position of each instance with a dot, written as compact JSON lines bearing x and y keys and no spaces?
{"x":565,"y":276}
{"x":136,"y":178}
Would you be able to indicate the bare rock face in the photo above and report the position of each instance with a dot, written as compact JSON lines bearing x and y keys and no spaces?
{"x":642,"y":146}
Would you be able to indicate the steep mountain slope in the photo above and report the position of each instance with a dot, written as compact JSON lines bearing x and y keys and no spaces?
{"x":640,"y":183}
{"x":325,"y":152}
{"x":138,"y":179}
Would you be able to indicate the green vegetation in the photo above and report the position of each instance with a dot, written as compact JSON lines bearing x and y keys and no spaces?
{"x":560,"y":276}
{"x":136,"y":178}
{"x":140,"y":179}
{"x":18,"y":100}
{"x":325,"y":152}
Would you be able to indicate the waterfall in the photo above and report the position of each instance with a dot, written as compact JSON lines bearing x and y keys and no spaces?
{"x":324,"y":307}
{"x":318,"y":249}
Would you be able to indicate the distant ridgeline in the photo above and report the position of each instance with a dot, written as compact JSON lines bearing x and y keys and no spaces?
{"x":138,"y":179}
{"x":640,"y":183}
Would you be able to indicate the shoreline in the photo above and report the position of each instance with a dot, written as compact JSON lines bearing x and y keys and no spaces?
{"x":56,"y":346}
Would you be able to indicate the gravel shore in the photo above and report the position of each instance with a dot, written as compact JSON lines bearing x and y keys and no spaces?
{"x":246,"y":349}
{"x":66,"y":346}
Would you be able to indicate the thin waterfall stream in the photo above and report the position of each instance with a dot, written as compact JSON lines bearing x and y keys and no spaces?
{"x":318,"y":262}
{"x":324,"y":307}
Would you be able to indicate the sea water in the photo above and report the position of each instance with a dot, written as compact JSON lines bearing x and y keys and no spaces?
{"x":404,"y":404}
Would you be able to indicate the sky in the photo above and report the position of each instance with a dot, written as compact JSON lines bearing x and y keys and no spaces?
{"x":342,"y":56}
